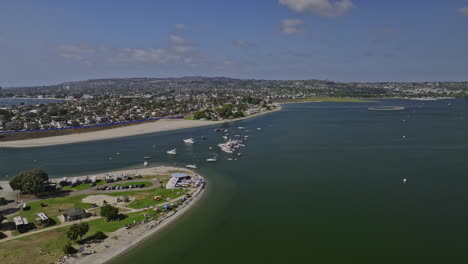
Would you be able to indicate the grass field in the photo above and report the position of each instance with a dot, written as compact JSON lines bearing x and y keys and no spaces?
{"x":326,"y":99}
{"x":57,"y":206}
{"x":52,"y":242}
{"x":28,"y":249}
{"x":146,"y":198}
{"x":54,"y":208}
{"x":111,"y":226}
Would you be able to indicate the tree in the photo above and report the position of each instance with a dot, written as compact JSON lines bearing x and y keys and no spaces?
{"x":68,"y":249}
{"x":31,"y":181}
{"x":110,"y":212}
{"x":77,"y":231}
{"x":225,"y":111}
{"x":99,"y":235}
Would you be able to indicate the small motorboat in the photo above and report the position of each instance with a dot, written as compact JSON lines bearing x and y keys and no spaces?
{"x":204,"y":137}
{"x":146,"y":163}
{"x":189,"y":140}
{"x":171,"y":152}
{"x":217,"y":129}
{"x":192,"y":166}
{"x":211,"y":160}
{"x":147,"y":157}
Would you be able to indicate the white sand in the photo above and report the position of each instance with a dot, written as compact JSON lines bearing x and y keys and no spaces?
{"x":133,"y":130}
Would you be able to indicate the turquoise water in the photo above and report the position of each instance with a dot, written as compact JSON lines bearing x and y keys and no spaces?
{"x":320,"y":183}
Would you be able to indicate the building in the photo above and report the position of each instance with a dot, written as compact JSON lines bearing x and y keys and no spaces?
{"x":42,"y":219}
{"x":74,"y":214}
{"x":21,"y":224}
{"x":176,"y":177}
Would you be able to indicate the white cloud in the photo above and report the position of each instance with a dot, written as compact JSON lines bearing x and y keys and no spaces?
{"x":179,"y":51}
{"x":463,"y":10}
{"x":79,"y":53}
{"x":158,"y":56}
{"x":180,"y":45}
{"x":181,"y":27}
{"x":243,"y":44}
{"x":292,"y":26}
{"x":326,"y":8}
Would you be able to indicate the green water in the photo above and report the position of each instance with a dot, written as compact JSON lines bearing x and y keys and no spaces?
{"x":320,"y":183}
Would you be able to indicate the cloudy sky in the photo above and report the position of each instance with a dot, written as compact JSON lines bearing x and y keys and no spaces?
{"x":46,"y":42}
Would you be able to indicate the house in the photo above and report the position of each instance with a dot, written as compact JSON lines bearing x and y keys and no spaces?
{"x":42,"y":219}
{"x":21,"y":224}
{"x":74,"y":214}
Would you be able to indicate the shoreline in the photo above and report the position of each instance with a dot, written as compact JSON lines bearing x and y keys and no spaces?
{"x":120,"y":132}
{"x":122,"y":240}
{"x":126,"y":241}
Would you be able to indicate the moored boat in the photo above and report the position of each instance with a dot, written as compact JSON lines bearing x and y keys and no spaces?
{"x":189,"y":140}
{"x":171,"y":152}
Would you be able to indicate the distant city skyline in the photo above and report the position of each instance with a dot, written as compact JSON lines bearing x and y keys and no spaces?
{"x":50,"y":42}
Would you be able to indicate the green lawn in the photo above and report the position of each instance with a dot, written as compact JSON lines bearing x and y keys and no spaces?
{"x":146,"y":198}
{"x":326,"y":99}
{"x":83,"y":186}
{"x":53,"y":206}
{"x":111,"y":226}
{"x":147,"y":184}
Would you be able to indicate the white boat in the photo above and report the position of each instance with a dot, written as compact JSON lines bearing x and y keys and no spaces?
{"x":145,"y":163}
{"x":192,"y":166}
{"x":211,"y":160}
{"x":147,"y":157}
{"x":171,"y":152}
{"x":189,"y":140}
{"x":259,"y":128}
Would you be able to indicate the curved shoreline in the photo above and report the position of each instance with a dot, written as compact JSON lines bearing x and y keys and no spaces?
{"x":389,"y":108}
{"x":140,"y":234}
{"x":133,"y":130}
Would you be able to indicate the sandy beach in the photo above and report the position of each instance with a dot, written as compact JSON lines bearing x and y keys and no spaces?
{"x":134,"y":130}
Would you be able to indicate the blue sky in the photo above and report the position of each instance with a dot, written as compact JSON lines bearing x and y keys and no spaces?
{"x":45,"y":42}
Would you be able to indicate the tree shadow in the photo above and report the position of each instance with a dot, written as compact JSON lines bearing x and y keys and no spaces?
{"x":9,"y":211}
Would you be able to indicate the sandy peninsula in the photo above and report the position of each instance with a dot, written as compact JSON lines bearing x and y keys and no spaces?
{"x":133,"y":130}
{"x":123,"y":239}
